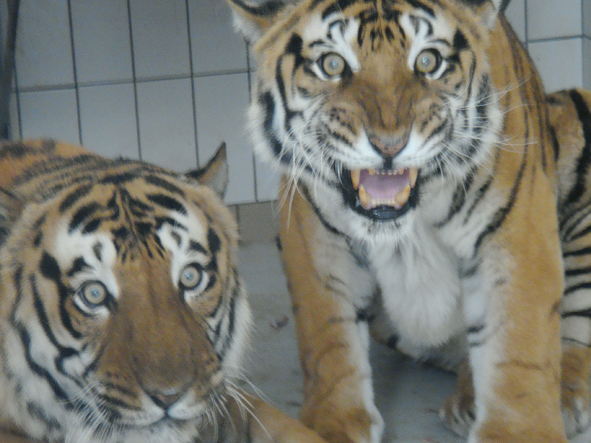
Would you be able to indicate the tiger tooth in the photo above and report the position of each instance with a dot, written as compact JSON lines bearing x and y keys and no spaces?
{"x":355,"y":175}
{"x":402,"y":197}
{"x":413,"y":174}
{"x":364,"y":197}
{"x":372,"y":172}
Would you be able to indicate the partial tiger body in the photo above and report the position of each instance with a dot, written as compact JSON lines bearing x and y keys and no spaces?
{"x":427,"y":202}
{"x":122,"y":314}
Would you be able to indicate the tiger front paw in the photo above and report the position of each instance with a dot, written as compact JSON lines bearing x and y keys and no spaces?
{"x":356,"y":425}
{"x":576,"y":407}
{"x":459,"y":412}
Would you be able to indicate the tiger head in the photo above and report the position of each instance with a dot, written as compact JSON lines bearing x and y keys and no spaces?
{"x":122,"y":314}
{"x":365,"y":102}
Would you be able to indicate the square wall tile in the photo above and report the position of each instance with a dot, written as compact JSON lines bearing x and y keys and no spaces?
{"x":267,"y":180}
{"x":587,"y":18}
{"x":551,"y":18}
{"x":551,"y":58}
{"x":43,"y":46}
{"x":108,"y":120}
{"x":586,"y":63}
{"x":50,"y":114}
{"x":167,"y":130}
{"x":216,"y":47}
{"x":221,"y":103}
{"x":515,"y":14}
{"x":102,"y":43}
{"x":160,"y":38}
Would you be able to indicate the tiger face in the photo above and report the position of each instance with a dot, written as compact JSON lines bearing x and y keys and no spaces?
{"x":122,"y":315}
{"x":364,"y":103}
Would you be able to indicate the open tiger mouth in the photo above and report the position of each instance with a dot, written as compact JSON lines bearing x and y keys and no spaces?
{"x":382,"y":194}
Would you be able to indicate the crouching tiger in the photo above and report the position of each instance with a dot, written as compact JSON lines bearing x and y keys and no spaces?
{"x":421,"y":182}
{"x":122,"y":316}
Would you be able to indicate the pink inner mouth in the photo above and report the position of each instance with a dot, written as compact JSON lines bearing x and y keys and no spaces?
{"x":383,"y":188}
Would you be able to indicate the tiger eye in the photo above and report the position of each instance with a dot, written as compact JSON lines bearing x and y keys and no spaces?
{"x":333,"y":64}
{"x":190,"y":277}
{"x":94,"y":293}
{"x":428,"y":61}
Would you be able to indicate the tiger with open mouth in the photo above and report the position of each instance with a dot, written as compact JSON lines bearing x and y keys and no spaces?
{"x":427,"y":201}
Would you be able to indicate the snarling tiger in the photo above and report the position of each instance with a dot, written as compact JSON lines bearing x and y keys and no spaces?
{"x":420,"y":207}
{"x":122,"y":315}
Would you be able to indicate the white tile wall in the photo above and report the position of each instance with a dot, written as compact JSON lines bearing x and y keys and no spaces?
{"x":586,"y":63}
{"x":43,"y":44}
{"x":102,"y":42}
{"x":166,"y":125}
{"x":515,"y":13}
{"x":587,"y":18}
{"x":167,"y":80}
{"x":553,"y":18}
{"x":108,"y":120}
{"x":225,"y":97}
{"x":552,"y":54}
{"x":160,"y":38}
{"x":214,"y":48}
{"x":50,"y":114}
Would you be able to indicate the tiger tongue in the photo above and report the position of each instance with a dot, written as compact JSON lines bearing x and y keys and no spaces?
{"x":383,"y":188}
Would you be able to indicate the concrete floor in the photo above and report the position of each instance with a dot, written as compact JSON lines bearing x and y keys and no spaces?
{"x":408,"y":394}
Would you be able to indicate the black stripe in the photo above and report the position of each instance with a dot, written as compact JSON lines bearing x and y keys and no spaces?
{"x":502,"y":213}
{"x":167,"y":202}
{"x":165,"y":184}
{"x":458,"y":199}
{"x":584,"y":160}
{"x":577,"y":271}
{"x":578,"y":252}
{"x":50,"y":270}
{"x":82,"y":214}
{"x":580,"y":313}
{"x":570,"y":289}
{"x":73,"y":197}
{"x":418,"y":5}
{"x":213,"y":241}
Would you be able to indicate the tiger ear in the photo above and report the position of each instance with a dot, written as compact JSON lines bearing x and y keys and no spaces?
{"x":254,"y":20}
{"x":10,"y":210}
{"x":215,"y":173}
{"x":488,"y":10}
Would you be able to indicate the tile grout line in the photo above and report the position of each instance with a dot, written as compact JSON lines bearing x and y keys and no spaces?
{"x":133,"y":75}
{"x":74,"y":72}
{"x":191,"y":70}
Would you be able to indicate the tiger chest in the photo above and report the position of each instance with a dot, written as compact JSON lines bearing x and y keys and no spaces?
{"x":421,"y":292}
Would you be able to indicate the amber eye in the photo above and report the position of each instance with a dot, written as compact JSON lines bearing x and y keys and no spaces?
{"x":332,"y":64}
{"x":94,"y":294}
{"x":190,"y":277}
{"x":428,"y":61}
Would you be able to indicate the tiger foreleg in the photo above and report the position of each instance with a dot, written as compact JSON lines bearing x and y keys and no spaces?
{"x":333,"y":342}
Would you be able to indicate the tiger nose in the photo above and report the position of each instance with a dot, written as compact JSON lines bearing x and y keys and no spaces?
{"x":166,"y":400}
{"x":388,"y":148}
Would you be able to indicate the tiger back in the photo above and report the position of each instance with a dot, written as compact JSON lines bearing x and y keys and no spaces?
{"x":421,"y":176}
{"x":122,"y":315}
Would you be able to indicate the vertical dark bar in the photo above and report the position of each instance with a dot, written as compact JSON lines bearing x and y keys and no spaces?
{"x":7,"y":68}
